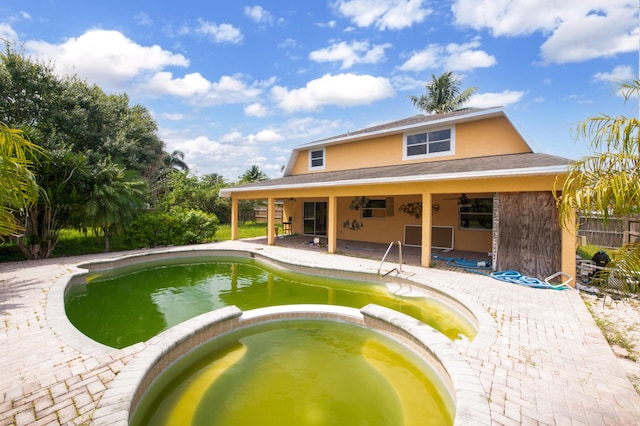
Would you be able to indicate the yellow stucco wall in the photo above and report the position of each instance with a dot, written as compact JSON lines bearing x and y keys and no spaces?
{"x":392,"y":228}
{"x":493,"y":136}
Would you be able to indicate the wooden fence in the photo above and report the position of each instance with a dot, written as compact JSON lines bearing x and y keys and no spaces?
{"x":616,"y":233}
{"x":261,"y":214}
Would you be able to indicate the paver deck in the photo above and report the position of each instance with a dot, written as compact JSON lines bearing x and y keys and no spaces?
{"x":543,"y":360}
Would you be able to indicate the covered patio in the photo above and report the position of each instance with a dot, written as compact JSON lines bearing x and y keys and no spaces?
{"x":411,"y":255}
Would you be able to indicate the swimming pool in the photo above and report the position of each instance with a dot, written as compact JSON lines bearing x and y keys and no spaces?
{"x":157,"y":355}
{"x":125,"y":305}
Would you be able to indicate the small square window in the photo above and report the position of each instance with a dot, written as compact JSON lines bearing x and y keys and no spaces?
{"x":316,"y":159}
{"x":476,"y":213}
{"x":375,"y":209}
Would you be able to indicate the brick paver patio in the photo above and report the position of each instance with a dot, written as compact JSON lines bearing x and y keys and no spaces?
{"x":540,"y":356}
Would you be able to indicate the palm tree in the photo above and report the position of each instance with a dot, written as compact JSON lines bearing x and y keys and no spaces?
{"x":253,"y":174}
{"x":115,"y":196}
{"x":608,"y":183}
{"x":443,"y":94}
{"x":18,"y":187}
{"x":157,"y":180}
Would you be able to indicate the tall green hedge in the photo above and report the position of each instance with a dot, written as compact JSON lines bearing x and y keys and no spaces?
{"x":178,"y":227}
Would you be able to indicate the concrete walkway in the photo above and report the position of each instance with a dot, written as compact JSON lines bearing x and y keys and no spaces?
{"x":540,"y":357}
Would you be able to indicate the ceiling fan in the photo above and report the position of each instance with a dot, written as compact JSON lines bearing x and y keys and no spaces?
{"x":463,"y":200}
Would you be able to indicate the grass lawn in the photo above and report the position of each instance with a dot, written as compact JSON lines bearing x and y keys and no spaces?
{"x":73,"y":242}
{"x":587,"y":252}
{"x":248,"y":230}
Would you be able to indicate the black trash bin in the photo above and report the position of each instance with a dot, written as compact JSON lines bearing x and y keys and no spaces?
{"x":601,"y":259}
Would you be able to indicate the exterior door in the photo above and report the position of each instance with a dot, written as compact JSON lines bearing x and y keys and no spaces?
{"x":315,"y":218}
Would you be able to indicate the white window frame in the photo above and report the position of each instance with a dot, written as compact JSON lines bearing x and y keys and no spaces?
{"x":452,"y":144}
{"x":374,"y":212}
{"x":324,"y":159}
{"x":475,"y":213}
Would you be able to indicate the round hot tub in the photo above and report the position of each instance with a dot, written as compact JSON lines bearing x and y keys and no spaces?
{"x":298,"y":372}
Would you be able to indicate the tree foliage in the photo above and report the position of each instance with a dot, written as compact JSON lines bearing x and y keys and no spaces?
{"x":176,"y":227}
{"x":85,"y":130}
{"x":59,"y":175}
{"x":246,"y":208}
{"x":443,"y":94}
{"x":18,"y":187}
{"x":253,"y":174}
{"x":115,"y":196}
{"x":608,"y":182}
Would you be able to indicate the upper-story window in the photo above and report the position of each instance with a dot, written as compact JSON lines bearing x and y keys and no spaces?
{"x":429,"y":144}
{"x":317,"y":159}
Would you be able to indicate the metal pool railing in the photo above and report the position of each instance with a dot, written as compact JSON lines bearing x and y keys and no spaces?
{"x":399,"y":268}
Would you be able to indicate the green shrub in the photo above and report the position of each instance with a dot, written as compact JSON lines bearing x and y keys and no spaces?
{"x":197,"y":226}
{"x":151,"y":229}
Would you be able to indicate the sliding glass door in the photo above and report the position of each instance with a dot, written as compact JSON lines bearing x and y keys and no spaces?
{"x":315,"y":218}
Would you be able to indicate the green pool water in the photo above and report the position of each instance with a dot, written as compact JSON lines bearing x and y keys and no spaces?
{"x":132,"y":304}
{"x":298,"y":372}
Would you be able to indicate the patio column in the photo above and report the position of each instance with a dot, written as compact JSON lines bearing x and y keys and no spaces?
{"x":426,"y":229}
{"x":332,"y":220}
{"x":234,"y":218}
{"x":271,"y":221}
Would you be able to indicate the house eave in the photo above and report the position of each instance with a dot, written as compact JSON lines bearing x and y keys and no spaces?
{"x":483,"y":174}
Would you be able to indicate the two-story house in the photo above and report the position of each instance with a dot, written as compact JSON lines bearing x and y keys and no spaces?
{"x":465,"y":180}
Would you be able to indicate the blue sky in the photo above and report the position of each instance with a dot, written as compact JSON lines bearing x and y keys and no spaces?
{"x":233,"y":84}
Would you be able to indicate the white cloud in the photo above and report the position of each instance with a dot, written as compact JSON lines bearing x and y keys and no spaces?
{"x":223,"y":33}
{"x":7,"y":33}
{"x":258,"y":14}
{"x":163,"y":83}
{"x":256,"y":109}
{"x":105,"y":57}
{"x":204,"y":155}
{"x":265,"y":136}
{"x":307,"y":128}
{"x":423,"y":59}
{"x":231,"y":137}
{"x":592,"y":36}
{"x":339,"y":90}
{"x":329,"y":24}
{"x":231,"y":89}
{"x":403,"y":82}
{"x":357,"y":52}
{"x":464,"y":57}
{"x":618,"y":74}
{"x":575,"y":30}
{"x":452,"y":57}
{"x":384,"y":14}
{"x":175,"y":116}
{"x":143,"y":19}
{"x":290,"y":42}
{"x":488,"y":100}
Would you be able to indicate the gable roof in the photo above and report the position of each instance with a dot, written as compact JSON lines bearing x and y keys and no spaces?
{"x":413,"y":123}
{"x":527,"y":164}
